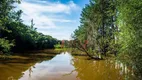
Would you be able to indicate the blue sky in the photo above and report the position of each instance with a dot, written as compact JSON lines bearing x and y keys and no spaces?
{"x":58,"y":18}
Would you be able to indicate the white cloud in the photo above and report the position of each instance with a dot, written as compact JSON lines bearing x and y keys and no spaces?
{"x":46,"y":14}
{"x":38,"y":11}
{"x":55,"y":7}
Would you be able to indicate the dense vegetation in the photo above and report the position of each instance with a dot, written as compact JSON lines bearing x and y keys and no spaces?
{"x":106,"y":27}
{"x":112,"y":27}
{"x":15,"y":35}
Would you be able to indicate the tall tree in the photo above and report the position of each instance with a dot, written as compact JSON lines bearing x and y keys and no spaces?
{"x":97,"y":26}
{"x":130,"y":37}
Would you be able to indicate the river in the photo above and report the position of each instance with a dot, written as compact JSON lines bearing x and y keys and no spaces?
{"x":64,"y":66}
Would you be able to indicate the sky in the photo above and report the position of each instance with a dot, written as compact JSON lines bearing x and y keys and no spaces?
{"x":58,"y":18}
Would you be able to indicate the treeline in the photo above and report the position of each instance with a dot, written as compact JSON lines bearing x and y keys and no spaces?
{"x":15,"y":35}
{"x":112,"y":27}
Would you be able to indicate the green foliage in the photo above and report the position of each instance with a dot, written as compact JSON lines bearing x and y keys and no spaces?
{"x":14,"y":31}
{"x":5,"y":45}
{"x":98,"y":27}
{"x":130,"y":37}
{"x":57,"y":46}
{"x":112,"y":26}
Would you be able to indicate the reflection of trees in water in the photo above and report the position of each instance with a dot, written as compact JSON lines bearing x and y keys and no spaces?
{"x":127,"y":71}
{"x":13,"y":70}
{"x":30,"y":71}
{"x":98,"y":70}
{"x":11,"y":78}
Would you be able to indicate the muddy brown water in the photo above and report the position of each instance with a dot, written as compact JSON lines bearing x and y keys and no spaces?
{"x":64,"y":66}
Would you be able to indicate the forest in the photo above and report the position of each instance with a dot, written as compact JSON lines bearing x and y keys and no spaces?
{"x":108,"y":29}
{"x":112,"y":27}
{"x":16,"y":36}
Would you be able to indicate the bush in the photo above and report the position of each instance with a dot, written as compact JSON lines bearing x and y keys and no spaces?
{"x":5,"y":45}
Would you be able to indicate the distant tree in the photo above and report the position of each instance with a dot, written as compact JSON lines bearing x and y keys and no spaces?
{"x":15,"y":35}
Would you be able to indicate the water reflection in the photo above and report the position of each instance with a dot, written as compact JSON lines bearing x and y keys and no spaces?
{"x":66,"y":67}
{"x":14,"y":69}
{"x":97,"y":70}
{"x":54,"y":69}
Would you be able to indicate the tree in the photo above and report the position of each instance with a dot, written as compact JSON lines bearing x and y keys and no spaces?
{"x":6,"y":7}
{"x":97,"y":27}
{"x":15,"y":35}
{"x":130,"y":38}
{"x":112,"y":26}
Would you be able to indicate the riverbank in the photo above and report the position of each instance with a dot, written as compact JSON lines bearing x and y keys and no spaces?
{"x":47,"y":53}
{"x":29,"y":55}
